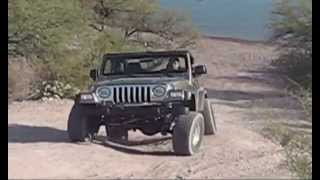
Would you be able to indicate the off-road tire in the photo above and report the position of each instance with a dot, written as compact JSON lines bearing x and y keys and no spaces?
{"x":117,"y":134}
{"x":183,"y":133}
{"x":210,"y":127}
{"x":81,"y":126}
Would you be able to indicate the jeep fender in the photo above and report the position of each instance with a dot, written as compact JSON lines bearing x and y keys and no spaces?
{"x":202,"y":94}
{"x":198,"y":98}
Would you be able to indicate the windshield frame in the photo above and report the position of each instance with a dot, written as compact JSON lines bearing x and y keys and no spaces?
{"x":151,"y":74}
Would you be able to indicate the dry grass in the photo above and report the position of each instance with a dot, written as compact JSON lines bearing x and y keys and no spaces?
{"x":297,"y":146}
{"x":20,"y":77}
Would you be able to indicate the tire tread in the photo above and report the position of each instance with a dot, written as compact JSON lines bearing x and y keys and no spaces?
{"x":182,"y":132}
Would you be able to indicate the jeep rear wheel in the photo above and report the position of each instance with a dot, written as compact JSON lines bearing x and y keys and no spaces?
{"x":80,"y":125}
{"x":209,"y":121}
{"x":188,"y":133}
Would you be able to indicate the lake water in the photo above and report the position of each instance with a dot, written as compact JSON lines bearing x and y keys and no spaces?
{"x":243,"y":19}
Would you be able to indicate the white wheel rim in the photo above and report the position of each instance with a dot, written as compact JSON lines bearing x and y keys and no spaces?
{"x":196,"y":134}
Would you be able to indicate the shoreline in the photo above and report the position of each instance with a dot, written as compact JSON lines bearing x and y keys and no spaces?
{"x":236,"y":40}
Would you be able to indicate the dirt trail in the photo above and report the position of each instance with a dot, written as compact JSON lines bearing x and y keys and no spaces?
{"x":39,"y":147}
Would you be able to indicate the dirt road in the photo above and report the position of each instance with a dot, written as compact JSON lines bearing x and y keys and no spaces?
{"x":38,"y":144}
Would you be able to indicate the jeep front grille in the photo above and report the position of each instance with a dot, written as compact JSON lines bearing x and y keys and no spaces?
{"x":131,"y":94}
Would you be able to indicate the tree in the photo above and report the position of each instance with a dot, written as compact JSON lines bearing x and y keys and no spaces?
{"x":36,"y":27}
{"x":138,"y":17}
{"x":292,"y":25}
{"x":51,"y":36}
{"x":62,"y":39}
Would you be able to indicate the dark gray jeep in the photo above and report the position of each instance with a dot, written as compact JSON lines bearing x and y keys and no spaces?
{"x":154,"y":92}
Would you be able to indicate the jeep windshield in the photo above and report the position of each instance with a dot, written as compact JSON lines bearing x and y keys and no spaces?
{"x":144,"y":66}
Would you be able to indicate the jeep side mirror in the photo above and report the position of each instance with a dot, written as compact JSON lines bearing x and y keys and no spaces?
{"x":93,"y":74}
{"x":199,"y":70}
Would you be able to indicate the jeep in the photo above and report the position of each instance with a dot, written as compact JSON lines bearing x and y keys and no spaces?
{"x":154,"y":92}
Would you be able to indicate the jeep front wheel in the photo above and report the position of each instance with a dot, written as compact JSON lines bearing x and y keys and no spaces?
{"x":80,"y":126}
{"x":188,"y":133}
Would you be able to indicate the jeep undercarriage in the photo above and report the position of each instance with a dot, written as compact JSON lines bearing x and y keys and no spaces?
{"x":150,"y":119}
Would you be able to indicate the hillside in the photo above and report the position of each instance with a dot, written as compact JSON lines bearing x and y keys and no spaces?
{"x":245,"y":101}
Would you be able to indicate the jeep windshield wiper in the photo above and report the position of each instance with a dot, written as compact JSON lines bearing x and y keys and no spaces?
{"x":161,"y":73}
{"x":122,"y":74}
{"x":133,"y":75}
{"x":158,"y":73}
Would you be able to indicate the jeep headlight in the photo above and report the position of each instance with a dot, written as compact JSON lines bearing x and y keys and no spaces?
{"x":159,"y":91}
{"x":103,"y":92}
{"x":86,"y":97}
{"x":177,"y":94}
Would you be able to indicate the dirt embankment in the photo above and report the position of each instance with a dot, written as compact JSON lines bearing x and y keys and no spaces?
{"x":244,"y":94}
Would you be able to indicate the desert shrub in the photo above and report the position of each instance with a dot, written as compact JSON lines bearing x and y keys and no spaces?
{"x":38,"y":29}
{"x":54,"y":89}
{"x":297,"y":148}
{"x":71,"y":67}
{"x":44,"y":33}
{"x":303,"y":96}
{"x":20,"y":77}
{"x":297,"y":67}
{"x":278,"y":133}
{"x":63,"y":40}
{"x":299,"y":156}
{"x":292,"y":28}
{"x":12,"y":81}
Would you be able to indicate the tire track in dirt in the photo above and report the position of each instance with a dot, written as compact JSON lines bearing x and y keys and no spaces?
{"x":226,"y":156}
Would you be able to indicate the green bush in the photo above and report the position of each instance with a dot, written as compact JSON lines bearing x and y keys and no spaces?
{"x":292,"y":27}
{"x":299,"y":156}
{"x":20,"y":75}
{"x":297,"y":67}
{"x":63,"y":40}
{"x":303,"y":96}
{"x":55,"y":89}
{"x":71,"y":67}
{"x":297,"y":147}
{"x":11,"y":84}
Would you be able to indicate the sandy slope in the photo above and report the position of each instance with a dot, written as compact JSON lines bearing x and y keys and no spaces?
{"x":39,"y":148}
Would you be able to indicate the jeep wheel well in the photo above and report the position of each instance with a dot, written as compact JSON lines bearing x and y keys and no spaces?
{"x":192,"y":103}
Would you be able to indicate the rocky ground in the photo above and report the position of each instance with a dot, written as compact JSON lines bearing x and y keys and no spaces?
{"x":245,"y":93}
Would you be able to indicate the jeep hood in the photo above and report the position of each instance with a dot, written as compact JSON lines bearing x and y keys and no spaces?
{"x":144,"y":80}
